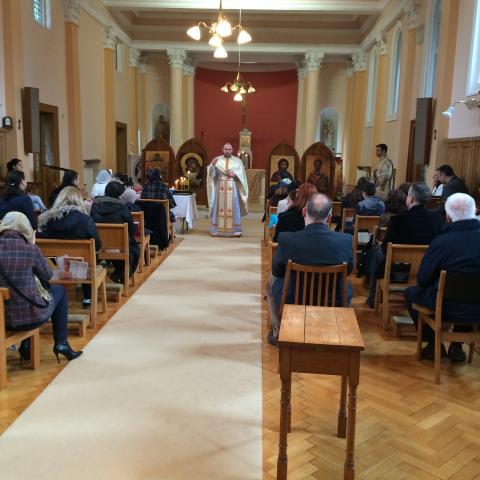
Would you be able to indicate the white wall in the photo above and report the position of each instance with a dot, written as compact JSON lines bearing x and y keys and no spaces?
{"x":464,"y":123}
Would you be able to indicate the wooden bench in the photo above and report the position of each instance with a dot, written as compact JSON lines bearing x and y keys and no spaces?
{"x":362,"y":223}
{"x":143,"y":240}
{"x":115,"y":246}
{"x":347,"y":216}
{"x":322,"y":340}
{"x":86,"y":250}
{"x":8,"y":339}
{"x":386,"y":290}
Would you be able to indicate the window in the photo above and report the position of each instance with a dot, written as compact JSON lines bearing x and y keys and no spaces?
{"x":372,"y":88}
{"x":395,"y":71}
{"x":474,"y":71}
{"x":41,"y":12}
{"x":432,"y":50}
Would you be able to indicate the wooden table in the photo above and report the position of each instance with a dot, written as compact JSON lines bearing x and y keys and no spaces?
{"x":323,"y":340}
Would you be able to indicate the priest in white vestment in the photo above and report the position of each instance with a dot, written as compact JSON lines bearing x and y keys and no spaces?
{"x":227,"y":194}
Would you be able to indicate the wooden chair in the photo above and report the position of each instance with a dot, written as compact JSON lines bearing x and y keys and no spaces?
{"x":166,"y":205}
{"x":7,"y":339}
{"x":143,"y":240}
{"x":454,"y":287}
{"x":321,"y":283}
{"x":115,"y":246}
{"x":336,"y":209}
{"x":386,"y":290}
{"x":272,"y":247}
{"x":347,"y":215}
{"x":86,"y":250}
{"x":362,"y":223}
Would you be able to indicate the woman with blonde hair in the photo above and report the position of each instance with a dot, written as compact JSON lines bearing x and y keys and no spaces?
{"x":25,"y":272}
{"x":68,"y":220}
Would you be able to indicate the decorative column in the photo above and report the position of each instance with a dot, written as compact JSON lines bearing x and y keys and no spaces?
{"x":176,"y":58}
{"x":75,"y":150}
{"x":189,"y":74}
{"x":357,"y":128}
{"x":132,"y":130}
{"x":110,"y":160}
{"x":347,"y":126}
{"x":142,"y":102}
{"x":412,"y":11}
{"x":299,"y":130}
{"x":381,"y":93}
{"x":312,"y":67}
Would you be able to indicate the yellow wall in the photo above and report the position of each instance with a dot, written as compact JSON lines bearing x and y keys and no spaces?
{"x":122,"y":112}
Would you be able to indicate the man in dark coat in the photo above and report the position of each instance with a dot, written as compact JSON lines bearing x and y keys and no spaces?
{"x":456,"y":250}
{"x":110,"y":209}
{"x":451,"y":183}
{"x":314,"y":245}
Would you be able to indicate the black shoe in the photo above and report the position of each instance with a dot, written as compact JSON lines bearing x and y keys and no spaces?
{"x":86,"y":303}
{"x":24,"y":350}
{"x":65,"y":349}
{"x":272,"y":340}
{"x":456,"y":353}
{"x":428,"y":352}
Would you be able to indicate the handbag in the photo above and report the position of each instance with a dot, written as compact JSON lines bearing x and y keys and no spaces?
{"x":42,"y":291}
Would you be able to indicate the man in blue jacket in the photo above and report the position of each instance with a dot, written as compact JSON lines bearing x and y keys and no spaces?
{"x":456,"y":250}
{"x":316,"y":244}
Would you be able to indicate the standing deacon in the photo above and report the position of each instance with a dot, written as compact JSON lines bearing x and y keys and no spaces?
{"x":227,"y":194}
{"x":383,"y":173}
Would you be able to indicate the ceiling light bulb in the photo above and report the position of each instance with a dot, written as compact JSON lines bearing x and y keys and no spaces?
{"x":220,"y":52}
{"x":238,"y":97}
{"x":242,"y":91}
{"x":251,"y":89}
{"x":215,"y":41}
{"x":194,"y":32}
{"x":449,"y":111}
{"x":234,"y":87}
{"x":243,"y":37}
{"x":224,"y":29}
{"x":224,"y":88}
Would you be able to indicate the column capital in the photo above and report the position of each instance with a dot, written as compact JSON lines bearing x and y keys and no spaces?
{"x":301,"y":71}
{"x":108,"y":38}
{"x":313,"y":61}
{"x":349,"y":69}
{"x":381,"y":43}
{"x":142,"y":64}
{"x":359,"y":59}
{"x":412,"y":12}
{"x":176,"y":57}
{"x":133,"y":57}
{"x":189,"y":70}
{"x":72,"y":11}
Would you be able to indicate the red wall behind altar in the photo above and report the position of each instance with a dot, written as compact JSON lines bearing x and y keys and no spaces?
{"x":271,"y":111}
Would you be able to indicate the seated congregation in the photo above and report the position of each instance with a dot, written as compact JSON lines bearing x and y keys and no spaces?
{"x":100,"y":231}
{"x":445,"y":231}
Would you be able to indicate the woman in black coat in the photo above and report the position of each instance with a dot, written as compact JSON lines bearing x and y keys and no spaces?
{"x":13,"y":197}
{"x":70,"y":179}
{"x":111,"y":209}
{"x":68,"y":220}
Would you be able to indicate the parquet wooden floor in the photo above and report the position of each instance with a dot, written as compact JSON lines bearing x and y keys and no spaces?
{"x":407,"y":427}
{"x":24,"y":384}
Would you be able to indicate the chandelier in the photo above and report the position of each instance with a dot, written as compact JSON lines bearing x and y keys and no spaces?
{"x":471,"y":103}
{"x":239,"y":86}
{"x":219,"y":29}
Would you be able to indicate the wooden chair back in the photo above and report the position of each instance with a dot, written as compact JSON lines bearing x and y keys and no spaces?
{"x":166,"y":205}
{"x":336,"y":209}
{"x":142,"y":239}
{"x":115,"y":246}
{"x":347,"y":215}
{"x":397,"y":253}
{"x":315,"y":285}
{"x":86,"y":250}
{"x":363,"y":223}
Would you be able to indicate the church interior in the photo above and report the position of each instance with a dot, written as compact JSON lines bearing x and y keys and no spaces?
{"x":220,"y":339}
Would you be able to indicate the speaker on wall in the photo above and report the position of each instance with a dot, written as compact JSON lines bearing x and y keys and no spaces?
{"x":423,"y":130}
{"x":31,"y":119}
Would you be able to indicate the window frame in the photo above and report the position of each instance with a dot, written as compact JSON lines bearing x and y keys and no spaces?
{"x":473,"y":85}
{"x":371,"y":88}
{"x":431,"y":56}
{"x":44,"y":8}
{"x":395,"y":74}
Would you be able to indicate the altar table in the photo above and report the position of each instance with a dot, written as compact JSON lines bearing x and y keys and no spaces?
{"x":186,"y":208}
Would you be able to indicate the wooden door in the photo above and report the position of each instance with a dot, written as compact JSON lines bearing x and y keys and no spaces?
{"x":47,"y":179}
{"x":122,"y":147}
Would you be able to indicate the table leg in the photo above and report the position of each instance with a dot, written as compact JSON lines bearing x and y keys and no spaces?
{"x":349,"y":470}
{"x":284,"y":427}
{"x":342,"y":412}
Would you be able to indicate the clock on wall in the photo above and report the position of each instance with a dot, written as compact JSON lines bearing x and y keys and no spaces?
{"x":7,"y":122}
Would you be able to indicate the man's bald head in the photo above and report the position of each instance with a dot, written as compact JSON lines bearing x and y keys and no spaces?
{"x":460,"y":206}
{"x":318,"y":209}
{"x":227,"y":150}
